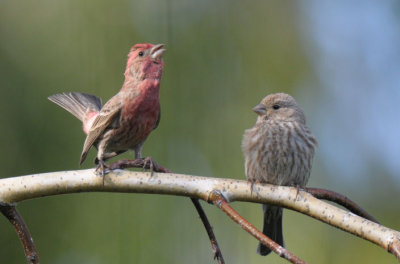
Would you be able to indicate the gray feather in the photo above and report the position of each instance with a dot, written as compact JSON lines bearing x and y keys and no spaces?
{"x":76,"y":103}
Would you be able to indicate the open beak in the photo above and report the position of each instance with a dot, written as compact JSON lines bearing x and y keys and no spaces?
{"x":157,"y":51}
{"x":260,"y":109}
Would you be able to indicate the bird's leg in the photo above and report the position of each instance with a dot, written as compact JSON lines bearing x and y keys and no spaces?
{"x":148,"y":162}
{"x":145,"y":163}
{"x":100,"y":161}
{"x":101,"y":168}
{"x":152,"y":165}
{"x":108,"y":156}
{"x":101,"y":157}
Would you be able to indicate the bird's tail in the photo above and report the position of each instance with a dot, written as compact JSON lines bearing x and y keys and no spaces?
{"x":272,"y":227}
{"x":77,"y":103}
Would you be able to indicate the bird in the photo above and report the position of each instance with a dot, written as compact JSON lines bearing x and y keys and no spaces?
{"x":278,"y":150}
{"x":126,"y":120}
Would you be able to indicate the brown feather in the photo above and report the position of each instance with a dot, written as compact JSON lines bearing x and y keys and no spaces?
{"x":106,"y":116}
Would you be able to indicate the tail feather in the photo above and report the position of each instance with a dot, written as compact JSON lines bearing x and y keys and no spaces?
{"x":272,"y":227}
{"x":76,"y":103}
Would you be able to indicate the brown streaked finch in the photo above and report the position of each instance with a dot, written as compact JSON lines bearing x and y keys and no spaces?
{"x":278,"y":150}
{"x":127,"y":119}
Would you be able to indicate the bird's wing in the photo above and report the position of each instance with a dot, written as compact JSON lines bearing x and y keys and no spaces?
{"x":107,"y":115}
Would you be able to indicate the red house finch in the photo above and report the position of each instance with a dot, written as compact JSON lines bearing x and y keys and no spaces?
{"x":279,"y":150}
{"x":128,"y":118}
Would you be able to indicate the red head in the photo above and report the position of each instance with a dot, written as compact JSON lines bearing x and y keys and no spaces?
{"x":145,"y":61}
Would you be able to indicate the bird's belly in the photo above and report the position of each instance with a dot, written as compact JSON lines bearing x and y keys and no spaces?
{"x":133,"y":131}
{"x":276,"y":166}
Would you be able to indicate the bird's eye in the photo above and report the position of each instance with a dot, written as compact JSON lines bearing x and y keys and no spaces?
{"x":276,"y":107}
{"x":141,"y":54}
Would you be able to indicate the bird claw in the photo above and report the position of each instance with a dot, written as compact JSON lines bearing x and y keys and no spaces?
{"x":149,"y":162}
{"x":101,"y":169}
{"x":252,"y":182}
{"x":298,"y":188}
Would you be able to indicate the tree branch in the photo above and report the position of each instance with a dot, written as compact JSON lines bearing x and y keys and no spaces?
{"x":11,"y":213}
{"x":218,"y":200}
{"x":341,"y":200}
{"x":209,"y":229}
{"x":221,"y":203}
{"x":140,"y":163}
{"x":17,"y":189}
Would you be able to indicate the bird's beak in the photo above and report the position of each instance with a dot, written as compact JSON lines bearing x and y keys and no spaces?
{"x":260,"y":109}
{"x":157,"y":51}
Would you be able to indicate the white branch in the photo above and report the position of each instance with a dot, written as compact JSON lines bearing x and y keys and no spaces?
{"x":17,"y":189}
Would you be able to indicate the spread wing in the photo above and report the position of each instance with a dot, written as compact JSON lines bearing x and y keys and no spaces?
{"x":108,"y":115}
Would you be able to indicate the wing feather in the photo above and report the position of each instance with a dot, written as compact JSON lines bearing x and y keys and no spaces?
{"x":107,"y":115}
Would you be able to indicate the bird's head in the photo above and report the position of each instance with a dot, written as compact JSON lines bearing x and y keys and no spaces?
{"x":279,"y":107}
{"x":145,"y":61}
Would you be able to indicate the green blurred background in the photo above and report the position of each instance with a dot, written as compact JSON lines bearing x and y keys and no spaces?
{"x":339,"y":59}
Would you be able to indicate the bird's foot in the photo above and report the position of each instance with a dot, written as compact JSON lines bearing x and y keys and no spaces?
{"x":252,"y":182}
{"x":101,"y":168}
{"x":298,"y":188}
{"x":149,"y":163}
